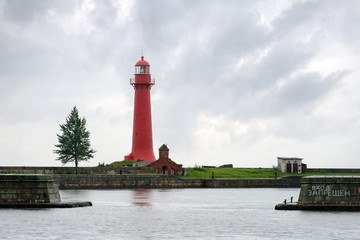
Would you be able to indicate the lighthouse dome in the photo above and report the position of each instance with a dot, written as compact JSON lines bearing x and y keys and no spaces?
{"x":142,"y":62}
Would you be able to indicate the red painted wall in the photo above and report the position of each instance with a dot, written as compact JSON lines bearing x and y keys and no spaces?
{"x":162,"y":164}
{"x":142,"y":144}
{"x":165,"y":165}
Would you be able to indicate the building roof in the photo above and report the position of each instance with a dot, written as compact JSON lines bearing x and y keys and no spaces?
{"x":142,"y":62}
{"x":289,"y":158}
{"x":164,"y":147}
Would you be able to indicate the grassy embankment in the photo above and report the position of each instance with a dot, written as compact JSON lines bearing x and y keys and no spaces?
{"x":246,"y":173}
{"x":199,"y":172}
{"x":118,"y":164}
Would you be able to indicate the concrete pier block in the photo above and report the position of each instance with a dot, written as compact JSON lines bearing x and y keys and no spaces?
{"x":339,"y":193}
{"x":31,"y":191}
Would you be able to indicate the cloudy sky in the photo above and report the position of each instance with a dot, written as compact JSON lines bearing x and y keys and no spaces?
{"x":239,"y":82}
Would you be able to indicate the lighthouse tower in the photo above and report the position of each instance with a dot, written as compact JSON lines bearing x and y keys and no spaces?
{"x":142,"y":144}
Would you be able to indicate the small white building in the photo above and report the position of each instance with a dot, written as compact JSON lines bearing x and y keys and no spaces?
{"x":291,"y":165}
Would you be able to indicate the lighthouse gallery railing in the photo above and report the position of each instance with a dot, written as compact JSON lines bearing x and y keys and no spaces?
{"x":151,"y":82}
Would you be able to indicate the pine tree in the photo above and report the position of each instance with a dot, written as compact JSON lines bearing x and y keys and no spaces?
{"x":74,"y":142}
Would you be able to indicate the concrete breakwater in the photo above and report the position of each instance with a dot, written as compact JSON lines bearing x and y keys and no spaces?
{"x":19,"y":188}
{"x":85,"y":181}
{"x":32,"y":191}
{"x":327,"y":193}
{"x":330,"y":190}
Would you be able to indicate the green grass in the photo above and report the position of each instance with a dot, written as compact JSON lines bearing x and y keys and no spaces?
{"x":229,"y":173}
{"x":10,"y":172}
{"x":246,"y":173}
{"x":119,"y":164}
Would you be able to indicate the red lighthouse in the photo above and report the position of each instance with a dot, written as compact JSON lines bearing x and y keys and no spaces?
{"x":142,"y":144}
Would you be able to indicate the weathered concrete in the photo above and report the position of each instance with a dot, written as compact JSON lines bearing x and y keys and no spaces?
{"x":334,"y":170}
{"x":80,"y":181}
{"x":330,"y":190}
{"x":282,"y":206}
{"x":21,"y":188}
{"x":32,"y":191}
{"x":327,"y":193}
{"x":46,"y":205}
{"x":130,"y":170}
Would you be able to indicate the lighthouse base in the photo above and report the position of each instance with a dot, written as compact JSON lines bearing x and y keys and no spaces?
{"x":129,"y":157}
{"x":133,"y":157}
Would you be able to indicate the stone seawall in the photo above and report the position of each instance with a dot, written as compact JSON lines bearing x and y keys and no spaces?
{"x":334,"y":170}
{"x":72,"y":170}
{"x":164,"y":181}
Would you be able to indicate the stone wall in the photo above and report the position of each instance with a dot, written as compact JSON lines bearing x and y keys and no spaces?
{"x":72,"y":170}
{"x":335,"y":170}
{"x":165,"y":181}
{"x":20,"y":188}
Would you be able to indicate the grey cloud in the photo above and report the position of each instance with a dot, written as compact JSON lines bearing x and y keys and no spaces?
{"x":24,"y":12}
{"x":306,"y":89}
{"x":231,"y":94}
{"x":342,"y":20}
{"x":300,"y":14}
{"x":104,"y":14}
{"x":281,"y":61}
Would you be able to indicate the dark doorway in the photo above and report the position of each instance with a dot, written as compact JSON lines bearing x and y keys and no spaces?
{"x":295,"y":167}
{"x":164,"y":170}
{"x":288,"y":167}
{"x":303,"y":167}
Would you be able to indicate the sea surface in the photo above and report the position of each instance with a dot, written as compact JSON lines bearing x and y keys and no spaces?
{"x":241,"y":213}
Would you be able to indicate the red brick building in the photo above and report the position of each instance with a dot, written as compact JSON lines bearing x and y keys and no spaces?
{"x":164,"y":165}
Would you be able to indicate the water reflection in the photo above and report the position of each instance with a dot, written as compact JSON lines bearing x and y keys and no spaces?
{"x":141,"y":197}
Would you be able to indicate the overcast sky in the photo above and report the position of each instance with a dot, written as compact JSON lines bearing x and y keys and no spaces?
{"x":239,"y":82}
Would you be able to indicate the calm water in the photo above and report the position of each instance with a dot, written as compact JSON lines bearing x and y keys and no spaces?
{"x":178,"y":214}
